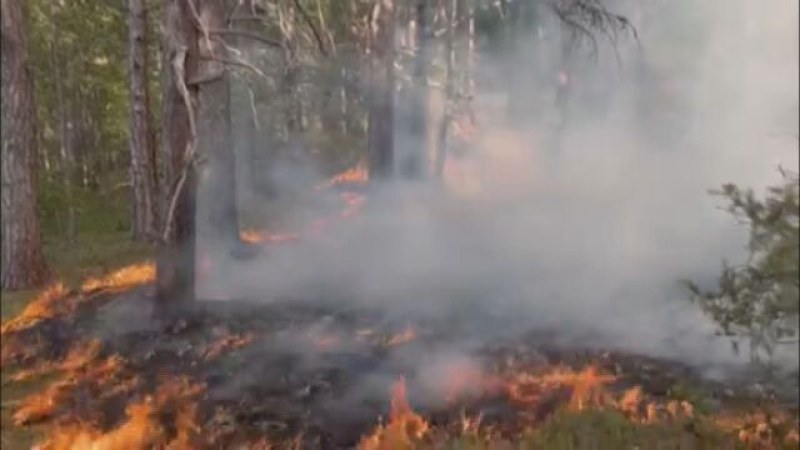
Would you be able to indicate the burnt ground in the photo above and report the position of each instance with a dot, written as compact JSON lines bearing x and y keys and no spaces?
{"x":290,"y":368}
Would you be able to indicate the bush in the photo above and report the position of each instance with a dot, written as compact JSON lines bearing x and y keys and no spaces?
{"x":760,"y":299}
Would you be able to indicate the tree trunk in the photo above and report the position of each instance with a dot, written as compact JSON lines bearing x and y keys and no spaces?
{"x":144,"y":221}
{"x":416,"y":152}
{"x":381,"y":98}
{"x":23,"y":263}
{"x":291,"y":71}
{"x":444,"y":126}
{"x":244,"y":119}
{"x":214,"y":130}
{"x":175,"y":282}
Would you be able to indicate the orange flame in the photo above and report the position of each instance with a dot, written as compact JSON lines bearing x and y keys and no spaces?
{"x":587,"y":387}
{"x":404,"y":429}
{"x":253,"y":236}
{"x":142,"y":429}
{"x":42,"y":405}
{"x":79,"y":356}
{"x":124,"y":278}
{"x":55,"y":299}
{"x":41,"y":307}
{"x":226,"y":344}
{"x":354,"y":175}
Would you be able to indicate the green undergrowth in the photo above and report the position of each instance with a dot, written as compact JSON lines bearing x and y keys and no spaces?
{"x":101,"y":242}
{"x":598,"y":429}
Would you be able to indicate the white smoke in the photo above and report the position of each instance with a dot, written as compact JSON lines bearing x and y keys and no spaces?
{"x":592,"y":238}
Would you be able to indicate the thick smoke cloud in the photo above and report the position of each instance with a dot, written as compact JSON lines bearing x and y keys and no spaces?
{"x":590,"y":238}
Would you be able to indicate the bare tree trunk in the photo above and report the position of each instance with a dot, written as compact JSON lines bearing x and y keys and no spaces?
{"x":244,"y":119}
{"x":444,"y":125}
{"x":175,"y":282}
{"x":23,"y":263}
{"x":291,"y":72}
{"x":416,"y":154}
{"x":381,"y":98}
{"x":144,"y":221}
{"x":214,"y":129}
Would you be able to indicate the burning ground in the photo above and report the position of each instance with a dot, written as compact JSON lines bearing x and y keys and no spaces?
{"x":304,"y":374}
{"x":300,"y":367}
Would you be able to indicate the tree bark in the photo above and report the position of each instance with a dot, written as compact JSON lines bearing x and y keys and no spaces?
{"x":144,"y":218}
{"x":413,"y":166}
{"x":440,"y":157}
{"x":175,"y":275}
{"x":244,"y":119}
{"x":381,"y":99}
{"x":214,"y":129}
{"x":23,"y":263}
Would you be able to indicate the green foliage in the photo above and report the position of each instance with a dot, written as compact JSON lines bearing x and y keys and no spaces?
{"x":98,"y":212}
{"x":760,"y":299}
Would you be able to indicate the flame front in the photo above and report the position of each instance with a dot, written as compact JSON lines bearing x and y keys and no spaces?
{"x":142,"y":430}
{"x":404,"y":429}
{"x":124,"y":278}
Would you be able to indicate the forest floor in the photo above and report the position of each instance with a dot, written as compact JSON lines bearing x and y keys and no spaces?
{"x":87,"y":364}
{"x":73,"y":262}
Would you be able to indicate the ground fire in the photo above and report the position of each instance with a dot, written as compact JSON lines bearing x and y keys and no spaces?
{"x":135,"y":392}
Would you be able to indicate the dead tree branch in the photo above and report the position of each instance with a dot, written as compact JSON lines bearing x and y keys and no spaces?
{"x":317,"y":36}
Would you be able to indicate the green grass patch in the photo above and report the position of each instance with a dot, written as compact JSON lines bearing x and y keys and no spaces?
{"x":599,"y":429}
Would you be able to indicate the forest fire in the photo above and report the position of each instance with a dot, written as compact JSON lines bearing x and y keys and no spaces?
{"x":357,"y":174}
{"x":142,"y":429}
{"x":586,"y":387}
{"x":79,"y":356}
{"x":58,"y":299}
{"x":253,"y":236}
{"x":405,"y":427}
{"x":226,"y":343}
{"x":124,"y":278}
{"x":104,"y":378}
{"x":352,"y":203}
{"x":172,"y":413}
{"x":39,"y":308}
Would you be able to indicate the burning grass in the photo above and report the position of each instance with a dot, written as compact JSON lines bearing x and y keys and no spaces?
{"x":41,"y":307}
{"x":102,"y":379}
{"x":166,"y":390}
{"x":59,"y":300}
{"x":352,"y":202}
{"x":124,"y":278}
{"x":405,"y":428}
{"x":142,"y":429}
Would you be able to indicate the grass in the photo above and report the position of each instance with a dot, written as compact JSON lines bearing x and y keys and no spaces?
{"x":101,"y":245}
{"x":72,"y":262}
